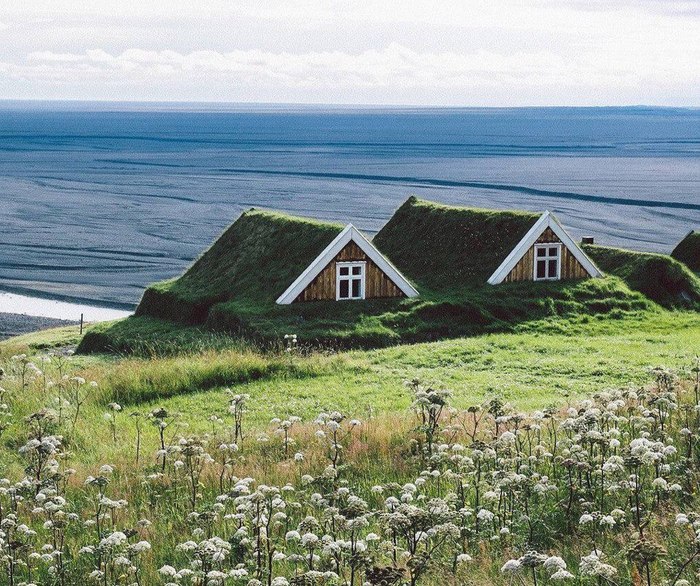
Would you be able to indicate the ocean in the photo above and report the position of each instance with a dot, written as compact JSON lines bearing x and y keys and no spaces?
{"x":98,"y":200}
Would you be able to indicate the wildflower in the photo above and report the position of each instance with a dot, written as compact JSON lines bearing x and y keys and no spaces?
{"x":168,"y":571}
{"x":106,"y":470}
{"x":507,"y":437}
{"x":607,"y":521}
{"x":554,"y":563}
{"x":485,"y":515}
{"x":593,"y":565}
{"x":511,"y":567}
{"x":140,"y":547}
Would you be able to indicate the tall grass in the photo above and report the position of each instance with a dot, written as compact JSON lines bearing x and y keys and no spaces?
{"x":602,"y":491}
{"x":137,"y":380}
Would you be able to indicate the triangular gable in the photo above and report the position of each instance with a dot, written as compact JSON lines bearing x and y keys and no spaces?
{"x":547,"y":220}
{"x":349,"y":234}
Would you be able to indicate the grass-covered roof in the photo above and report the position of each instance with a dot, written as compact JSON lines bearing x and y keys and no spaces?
{"x":253,"y":262}
{"x":443,"y":247}
{"x":659,"y":277}
{"x":688,"y":251}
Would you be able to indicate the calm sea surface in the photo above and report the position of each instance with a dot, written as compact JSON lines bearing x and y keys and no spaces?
{"x":97,"y":201}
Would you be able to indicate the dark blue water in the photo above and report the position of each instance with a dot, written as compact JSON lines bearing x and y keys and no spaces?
{"x":98,"y":201}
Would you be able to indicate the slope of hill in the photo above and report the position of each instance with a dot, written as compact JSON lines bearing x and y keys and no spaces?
{"x":159,"y":469}
{"x":448,"y":252}
{"x":659,"y":277}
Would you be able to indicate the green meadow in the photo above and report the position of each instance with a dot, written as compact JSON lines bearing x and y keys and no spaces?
{"x":542,"y":363}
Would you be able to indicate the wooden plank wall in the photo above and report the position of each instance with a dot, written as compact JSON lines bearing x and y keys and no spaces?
{"x":377,"y":284}
{"x":571,"y":268}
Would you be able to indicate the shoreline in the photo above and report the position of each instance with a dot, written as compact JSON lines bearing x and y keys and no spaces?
{"x":13,"y":324}
{"x":21,"y":314}
{"x":18,"y":304}
{"x":70,"y":299}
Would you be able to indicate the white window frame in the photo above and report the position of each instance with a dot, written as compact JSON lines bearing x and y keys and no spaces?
{"x":547,"y":258}
{"x":350,"y":277}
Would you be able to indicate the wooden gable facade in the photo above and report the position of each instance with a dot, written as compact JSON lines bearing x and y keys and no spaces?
{"x":570,"y":267}
{"x":377,"y":284}
{"x":349,"y":269}
{"x":545,"y":253}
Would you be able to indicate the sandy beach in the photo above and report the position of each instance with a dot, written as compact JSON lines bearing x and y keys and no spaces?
{"x":21,"y":314}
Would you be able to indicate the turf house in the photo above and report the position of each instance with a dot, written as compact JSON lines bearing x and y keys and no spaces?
{"x":467,"y":247}
{"x":265,"y":259}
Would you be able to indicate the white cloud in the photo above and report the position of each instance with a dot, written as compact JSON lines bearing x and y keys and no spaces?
{"x":385,"y":67}
{"x":478,"y":52}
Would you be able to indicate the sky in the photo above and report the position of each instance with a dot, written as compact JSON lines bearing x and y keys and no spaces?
{"x":384,"y":52}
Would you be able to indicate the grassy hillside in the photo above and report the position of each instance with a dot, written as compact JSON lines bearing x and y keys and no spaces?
{"x":445,"y":475}
{"x":659,"y":277}
{"x":535,"y":364}
{"x":688,"y":251}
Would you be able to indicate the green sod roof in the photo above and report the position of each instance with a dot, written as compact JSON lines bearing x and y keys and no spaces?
{"x":443,"y":247}
{"x":252,"y":262}
{"x":688,"y":251}
{"x":658,"y":276}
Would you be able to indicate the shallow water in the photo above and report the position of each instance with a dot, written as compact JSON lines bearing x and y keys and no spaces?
{"x":97,"y":202}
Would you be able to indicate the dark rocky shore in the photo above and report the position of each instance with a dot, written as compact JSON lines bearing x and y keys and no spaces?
{"x":12,"y":324}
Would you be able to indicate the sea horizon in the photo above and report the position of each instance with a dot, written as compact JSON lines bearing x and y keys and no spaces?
{"x":235,"y":106}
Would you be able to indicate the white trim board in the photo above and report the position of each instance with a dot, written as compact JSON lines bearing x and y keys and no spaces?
{"x":546,"y":220}
{"x":349,"y":234}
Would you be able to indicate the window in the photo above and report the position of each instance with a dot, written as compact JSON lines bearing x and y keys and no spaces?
{"x":547,"y":262}
{"x":350,"y":280}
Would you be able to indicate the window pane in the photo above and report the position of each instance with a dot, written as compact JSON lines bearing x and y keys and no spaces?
{"x":344,"y":290}
{"x":553,"y":251}
{"x":356,"y":288}
{"x":541,"y":252}
{"x":552,"y":269}
{"x":356,"y":270}
{"x":344,"y":270}
{"x":541,"y":269}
